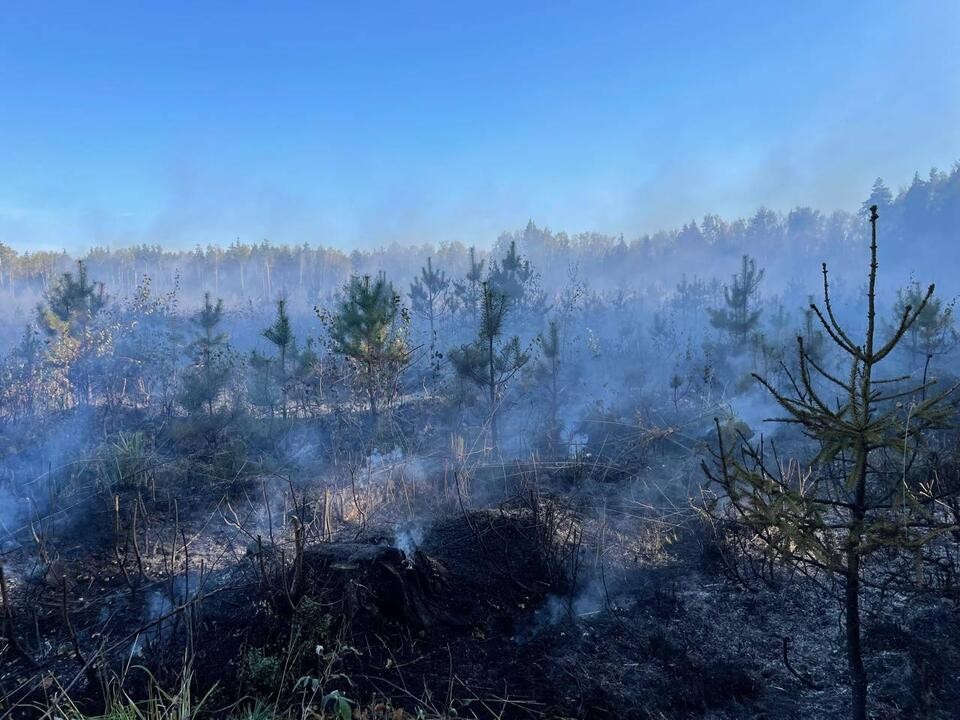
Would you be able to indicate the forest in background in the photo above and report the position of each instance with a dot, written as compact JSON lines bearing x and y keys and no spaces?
{"x":919,"y":222}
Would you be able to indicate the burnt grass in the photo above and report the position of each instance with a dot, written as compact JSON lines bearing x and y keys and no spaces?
{"x":472,"y":621}
{"x":484,"y":618}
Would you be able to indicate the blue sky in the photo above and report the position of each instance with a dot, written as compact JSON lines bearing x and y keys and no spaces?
{"x":361,"y":124}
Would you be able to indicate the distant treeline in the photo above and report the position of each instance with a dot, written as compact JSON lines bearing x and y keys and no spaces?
{"x":919,"y":225}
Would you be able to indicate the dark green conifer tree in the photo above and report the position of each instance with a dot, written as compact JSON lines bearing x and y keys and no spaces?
{"x":67,"y":317}
{"x":514,"y":276}
{"x":369,"y":330}
{"x":72,"y":303}
{"x":205,"y":380}
{"x":490,"y":362}
{"x":740,"y":313}
{"x":281,"y":336}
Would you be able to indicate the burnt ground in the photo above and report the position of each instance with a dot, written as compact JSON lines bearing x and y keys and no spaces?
{"x":475,"y":621}
{"x":494,"y":613}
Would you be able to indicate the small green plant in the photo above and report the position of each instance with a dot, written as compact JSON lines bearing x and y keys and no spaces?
{"x":128,"y":462}
{"x":258,"y":711}
{"x":340,"y":704}
{"x":263,"y":671}
{"x":334,"y":701}
{"x":180,"y":703}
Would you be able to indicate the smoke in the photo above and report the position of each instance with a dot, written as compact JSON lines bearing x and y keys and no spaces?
{"x":559,"y":610}
{"x":408,"y":538}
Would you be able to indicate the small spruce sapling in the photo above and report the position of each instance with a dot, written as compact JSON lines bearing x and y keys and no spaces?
{"x":866,"y":490}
